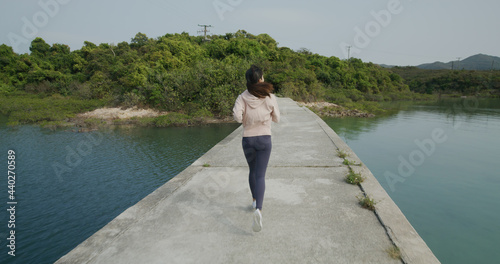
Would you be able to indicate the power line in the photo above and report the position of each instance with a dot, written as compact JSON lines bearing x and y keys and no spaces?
{"x":204,"y":30}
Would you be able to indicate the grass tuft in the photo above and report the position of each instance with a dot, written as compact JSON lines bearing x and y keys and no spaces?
{"x":342,"y":154}
{"x":366,"y":202}
{"x":394,"y":252}
{"x":354,"y":178}
{"x":351,"y":163}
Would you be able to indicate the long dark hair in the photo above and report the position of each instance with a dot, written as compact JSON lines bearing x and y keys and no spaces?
{"x":256,"y":88}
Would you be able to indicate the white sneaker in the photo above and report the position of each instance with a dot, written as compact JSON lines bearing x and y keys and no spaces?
{"x":257,"y":221}
{"x":254,"y":204}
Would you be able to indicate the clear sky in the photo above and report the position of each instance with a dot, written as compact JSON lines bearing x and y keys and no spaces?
{"x":396,"y":32}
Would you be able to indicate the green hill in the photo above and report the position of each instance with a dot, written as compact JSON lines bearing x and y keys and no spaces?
{"x":183,"y":73}
{"x":479,"y":62}
{"x":458,"y":82}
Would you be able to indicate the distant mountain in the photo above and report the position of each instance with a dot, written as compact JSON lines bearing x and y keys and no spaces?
{"x":479,"y":62}
{"x":386,"y":66}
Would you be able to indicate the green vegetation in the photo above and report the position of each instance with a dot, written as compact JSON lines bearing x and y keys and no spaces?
{"x":168,"y":120}
{"x":394,"y":252}
{"x":479,"y":62}
{"x":183,"y":74}
{"x":354,"y":178}
{"x":451,"y":82}
{"x":94,"y":122}
{"x":173,"y":119}
{"x":342,"y":154}
{"x":25,"y":108}
{"x":351,"y":163}
{"x":366,"y":202}
{"x":199,"y":79}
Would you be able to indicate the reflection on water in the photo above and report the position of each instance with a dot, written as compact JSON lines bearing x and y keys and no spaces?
{"x":447,"y":188}
{"x":70,"y":184}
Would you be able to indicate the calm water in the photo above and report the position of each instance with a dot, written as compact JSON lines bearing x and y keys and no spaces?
{"x":69,"y":185}
{"x":440,"y":165}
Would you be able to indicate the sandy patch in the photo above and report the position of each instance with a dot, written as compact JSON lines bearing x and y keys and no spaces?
{"x":118,"y":113}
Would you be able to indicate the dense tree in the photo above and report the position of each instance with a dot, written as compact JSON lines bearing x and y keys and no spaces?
{"x":180,"y":72}
{"x":139,"y":40}
{"x":449,"y":81}
{"x":39,"y":48}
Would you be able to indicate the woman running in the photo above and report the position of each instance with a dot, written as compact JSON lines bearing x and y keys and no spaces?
{"x":256,"y":108}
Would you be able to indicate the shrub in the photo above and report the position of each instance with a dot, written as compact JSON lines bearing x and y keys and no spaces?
{"x":190,"y":108}
{"x":336,"y":96}
{"x":146,"y":121}
{"x":132,"y":99}
{"x":80,"y":90}
{"x":172,"y":119}
{"x":6,"y":89}
{"x":26,"y":108}
{"x":202,"y":113}
{"x":44,"y":87}
{"x":94,"y":122}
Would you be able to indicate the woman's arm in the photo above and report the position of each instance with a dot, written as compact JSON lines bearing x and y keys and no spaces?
{"x":276,"y":111}
{"x":239,"y":109}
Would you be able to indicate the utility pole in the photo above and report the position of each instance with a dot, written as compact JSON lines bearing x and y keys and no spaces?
{"x":458,"y":59}
{"x":349,"y":52}
{"x":204,"y":30}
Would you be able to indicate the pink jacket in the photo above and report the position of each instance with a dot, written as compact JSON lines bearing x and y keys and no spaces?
{"x":256,"y":114}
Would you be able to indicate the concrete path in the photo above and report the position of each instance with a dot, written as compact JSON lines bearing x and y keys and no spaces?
{"x":310,"y":215}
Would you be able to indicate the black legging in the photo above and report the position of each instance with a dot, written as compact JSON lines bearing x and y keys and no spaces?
{"x":257,"y":152}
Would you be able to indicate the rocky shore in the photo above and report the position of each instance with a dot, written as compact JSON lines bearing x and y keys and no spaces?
{"x":325,"y":109}
{"x":134,"y":116}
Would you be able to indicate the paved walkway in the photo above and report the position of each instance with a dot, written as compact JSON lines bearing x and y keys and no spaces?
{"x":310,"y":215}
